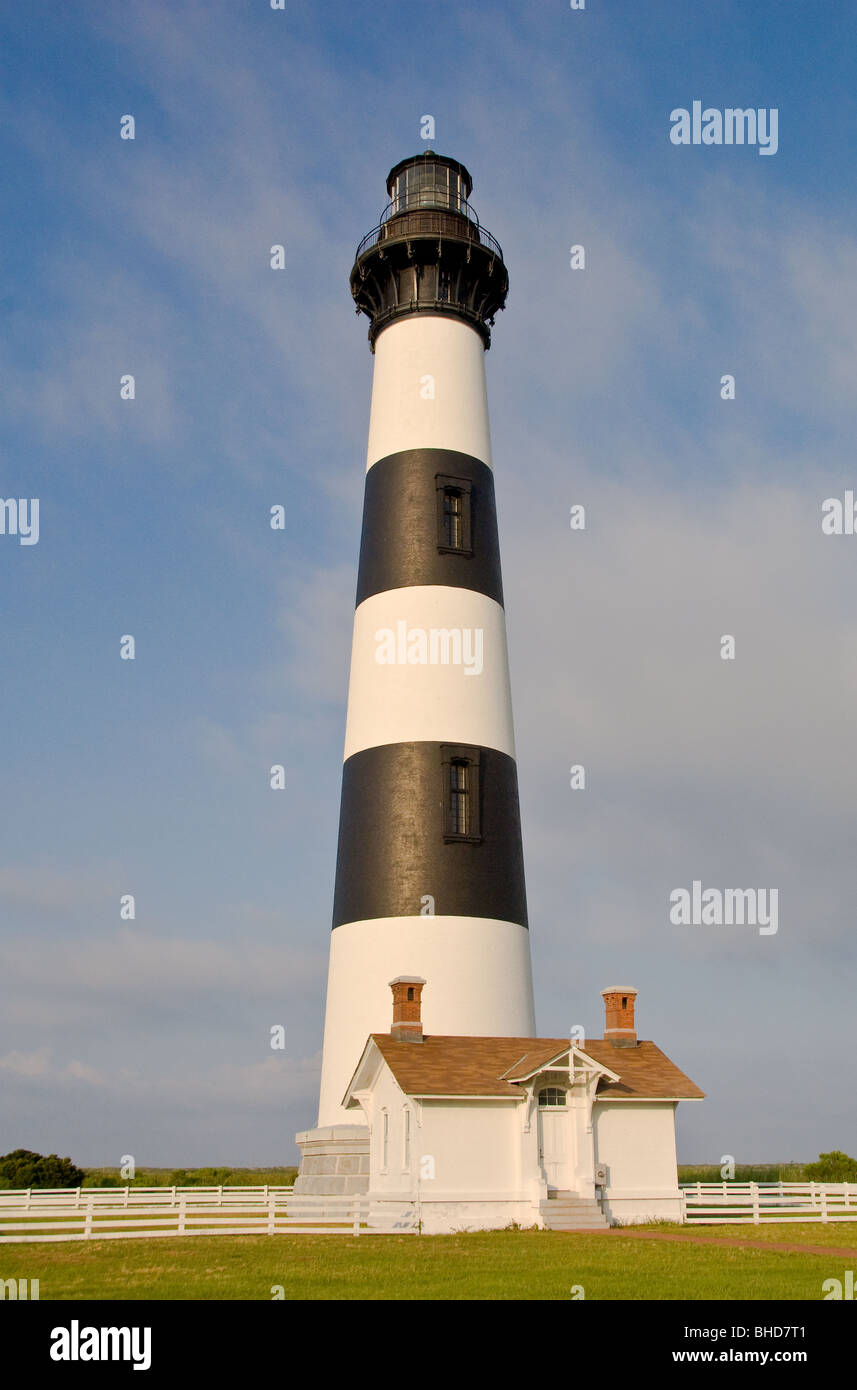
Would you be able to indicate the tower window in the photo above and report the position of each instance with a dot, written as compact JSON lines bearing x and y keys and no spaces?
{"x":458,"y":794}
{"x":454,"y":497}
{"x":452,"y":518}
{"x":461,"y":812}
{"x":410,"y":994}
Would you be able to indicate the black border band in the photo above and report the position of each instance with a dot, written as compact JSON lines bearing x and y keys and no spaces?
{"x":401,"y":545}
{"x":392,"y":847}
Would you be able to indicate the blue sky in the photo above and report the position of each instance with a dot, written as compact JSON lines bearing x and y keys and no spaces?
{"x":256,"y":127}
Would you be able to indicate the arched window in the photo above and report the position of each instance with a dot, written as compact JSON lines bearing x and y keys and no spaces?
{"x":550,"y":1097}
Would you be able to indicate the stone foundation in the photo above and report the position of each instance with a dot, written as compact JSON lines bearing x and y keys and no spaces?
{"x":334,"y":1161}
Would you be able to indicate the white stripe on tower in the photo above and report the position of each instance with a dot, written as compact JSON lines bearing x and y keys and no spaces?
{"x":430,"y":877}
{"x":404,"y":414}
{"x":441,"y":701}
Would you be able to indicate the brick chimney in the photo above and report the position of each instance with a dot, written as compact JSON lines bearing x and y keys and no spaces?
{"x":619,"y":1027}
{"x":407,"y":1020}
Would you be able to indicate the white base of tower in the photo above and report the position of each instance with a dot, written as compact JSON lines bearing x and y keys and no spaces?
{"x":479,"y":984}
{"x":334,"y":1161}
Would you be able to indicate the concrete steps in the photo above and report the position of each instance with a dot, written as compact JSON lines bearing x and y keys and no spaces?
{"x":566,"y":1212}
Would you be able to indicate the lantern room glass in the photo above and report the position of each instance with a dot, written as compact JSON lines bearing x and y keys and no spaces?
{"x":428,"y":185}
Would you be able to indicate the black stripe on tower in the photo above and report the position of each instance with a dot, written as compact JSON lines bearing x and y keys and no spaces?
{"x":407,"y":525}
{"x":399,"y":843}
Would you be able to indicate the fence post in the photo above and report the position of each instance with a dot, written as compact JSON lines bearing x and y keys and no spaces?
{"x":87,"y":1224}
{"x":220,"y":1195}
{"x":271,"y":1206}
{"x":29,"y":1193}
{"x":181,"y":1215}
{"x":754,"y":1189}
{"x":125,"y":1203}
{"x":847,"y":1186}
{"x":824,"y":1203}
{"x":683,"y":1216}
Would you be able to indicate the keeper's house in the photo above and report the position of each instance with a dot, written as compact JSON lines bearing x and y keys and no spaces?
{"x":476,"y":1133}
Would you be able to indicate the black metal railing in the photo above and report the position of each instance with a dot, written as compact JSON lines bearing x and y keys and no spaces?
{"x":458,"y":220}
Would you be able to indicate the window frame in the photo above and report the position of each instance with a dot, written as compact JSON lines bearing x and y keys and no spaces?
{"x":445,"y":483}
{"x":452,"y":753}
{"x":406,"y":1138}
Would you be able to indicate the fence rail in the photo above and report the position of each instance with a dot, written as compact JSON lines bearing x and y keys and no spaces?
{"x":91,"y":1213}
{"x":718,"y":1203}
{"x":33,"y":1214}
{"x":125,"y":1196}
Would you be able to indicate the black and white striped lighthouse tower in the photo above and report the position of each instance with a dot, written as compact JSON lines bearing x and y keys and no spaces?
{"x":430,"y":874}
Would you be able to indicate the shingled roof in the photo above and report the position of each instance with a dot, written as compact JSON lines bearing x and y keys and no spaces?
{"x":445,"y":1066}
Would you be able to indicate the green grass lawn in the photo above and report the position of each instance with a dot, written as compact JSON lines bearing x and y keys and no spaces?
{"x":483,"y":1265}
{"x":841,"y":1234}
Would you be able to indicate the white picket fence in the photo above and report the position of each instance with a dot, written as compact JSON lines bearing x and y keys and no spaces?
{"x":105,"y":1213}
{"x":716,"y":1203}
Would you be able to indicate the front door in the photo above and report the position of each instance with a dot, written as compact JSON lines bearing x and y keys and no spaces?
{"x":554,"y":1137}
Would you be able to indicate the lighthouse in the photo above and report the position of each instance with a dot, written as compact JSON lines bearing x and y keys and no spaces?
{"x":447,"y":1112}
{"x":430,"y":872}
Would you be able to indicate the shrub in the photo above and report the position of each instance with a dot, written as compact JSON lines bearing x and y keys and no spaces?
{"x":24,"y":1168}
{"x":833,"y":1167}
{"x":200,"y":1177}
